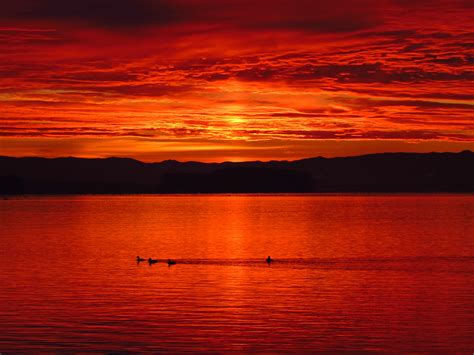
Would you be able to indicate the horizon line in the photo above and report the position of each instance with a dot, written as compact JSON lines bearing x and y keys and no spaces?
{"x":233,"y":162}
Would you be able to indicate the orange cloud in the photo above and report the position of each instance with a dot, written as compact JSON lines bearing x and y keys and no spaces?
{"x":174,"y":79}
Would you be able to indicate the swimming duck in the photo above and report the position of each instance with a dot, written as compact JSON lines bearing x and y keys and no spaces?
{"x":269,"y":260}
{"x":171,"y":262}
{"x":140,"y":259}
{"x":152,"y":261}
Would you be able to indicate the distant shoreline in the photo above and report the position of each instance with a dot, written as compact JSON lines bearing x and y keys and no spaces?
{"x":170,"y":161}
{"x":392,"y":173}
{"x":225,"y":194}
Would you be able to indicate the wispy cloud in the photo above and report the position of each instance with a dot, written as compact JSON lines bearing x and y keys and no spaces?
{"x":238,"y":71}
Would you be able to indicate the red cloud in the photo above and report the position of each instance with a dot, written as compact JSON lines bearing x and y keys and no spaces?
{"x":235,"y":71}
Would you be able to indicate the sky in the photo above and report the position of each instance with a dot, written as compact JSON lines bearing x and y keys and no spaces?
{"x":234,"y":80}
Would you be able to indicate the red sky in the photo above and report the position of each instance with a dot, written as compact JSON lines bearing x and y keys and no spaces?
{"x":216,"y":80}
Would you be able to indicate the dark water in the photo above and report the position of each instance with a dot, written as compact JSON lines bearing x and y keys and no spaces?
{"x":392,"y":273}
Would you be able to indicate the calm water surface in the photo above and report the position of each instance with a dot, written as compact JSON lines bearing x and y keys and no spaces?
{"x":351,"y":272}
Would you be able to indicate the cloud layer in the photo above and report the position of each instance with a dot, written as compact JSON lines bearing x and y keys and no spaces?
{"x":266,"y":79}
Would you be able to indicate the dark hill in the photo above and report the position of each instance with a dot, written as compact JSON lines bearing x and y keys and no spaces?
{"x":388,"y":172}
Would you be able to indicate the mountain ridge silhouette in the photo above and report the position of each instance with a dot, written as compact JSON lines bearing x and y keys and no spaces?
{"x":381,"y":172}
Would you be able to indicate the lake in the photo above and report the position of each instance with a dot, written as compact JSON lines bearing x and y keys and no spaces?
{"x":350,"y":273}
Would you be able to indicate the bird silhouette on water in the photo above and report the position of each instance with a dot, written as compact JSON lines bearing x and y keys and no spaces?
{"x":152,"y":261}
{"x":269,"y":259}
{"x":139,"y":260}
{"x":171,"y":262}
